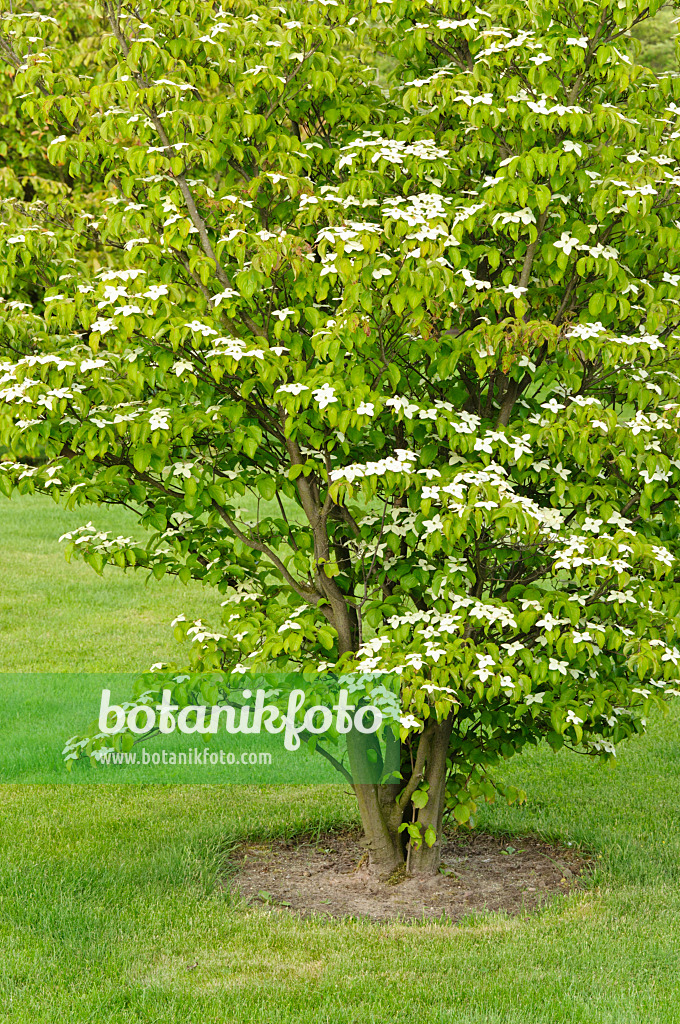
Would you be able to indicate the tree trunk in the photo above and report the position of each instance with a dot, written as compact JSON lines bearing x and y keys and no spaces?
{"x":385,"y":851}
{"x":377,"y":808}
{"x":381,"y":813}
{"x":424,"y":859}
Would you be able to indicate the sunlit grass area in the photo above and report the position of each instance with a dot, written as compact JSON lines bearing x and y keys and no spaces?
{"x":61,"y":617}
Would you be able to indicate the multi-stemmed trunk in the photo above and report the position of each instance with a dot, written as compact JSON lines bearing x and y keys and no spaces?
{"x":384,"y":808}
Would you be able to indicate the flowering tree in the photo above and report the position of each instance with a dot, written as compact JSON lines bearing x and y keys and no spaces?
{"x":400,"y":278}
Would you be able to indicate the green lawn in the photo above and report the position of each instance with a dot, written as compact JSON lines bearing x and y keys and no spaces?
{"x":111,"y":908}
{"x":61,"y":617}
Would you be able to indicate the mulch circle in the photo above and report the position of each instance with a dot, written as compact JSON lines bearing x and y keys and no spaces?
{"x":328,"y":876}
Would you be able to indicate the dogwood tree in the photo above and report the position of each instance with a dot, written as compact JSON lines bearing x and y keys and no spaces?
{"x":369,"y":311}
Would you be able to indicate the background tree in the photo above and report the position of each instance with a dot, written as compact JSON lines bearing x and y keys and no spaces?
{"x":424,"y":321}
{"x":656,"y":37}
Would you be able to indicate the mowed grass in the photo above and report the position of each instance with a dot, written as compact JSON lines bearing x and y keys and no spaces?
{"x":112,"y":902}
{"x":61,"y":617}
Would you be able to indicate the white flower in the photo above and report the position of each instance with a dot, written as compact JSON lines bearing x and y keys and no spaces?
{"x":123,"y":275}
{"x":182,"y":469}
{"x":289,"y":624}
{"x":103,"y":326}
{"x":625,"y":597}
{"x":663,"y":555}
{"x":617,"y":519}
{"x":366,"y":409}
{"x":483,"y":444}
{"x":434,"y":525}
{"x":566,"y":243}
{"x":282,"y":313}
{"x":586,"y":331}
{"x":111,"y":294}
{"x":293,"y":389}
{"x":524,"y":216}
{"x":605,"y":745}
{"x":572,"y":147}
{"x":520,"y":446}
{"x":159,"y":419}
{"x":431,"y":688}
{"x":325,"y":395}
{"x":228,"y":293}
{"x":515,"y":290}
{"x":155,"y":291}
{"x":200,"y":328}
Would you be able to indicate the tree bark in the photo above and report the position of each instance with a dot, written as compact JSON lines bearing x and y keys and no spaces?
{"x":377,"y":808}
{"x":425,"y":860}
{"x":383,"y":808}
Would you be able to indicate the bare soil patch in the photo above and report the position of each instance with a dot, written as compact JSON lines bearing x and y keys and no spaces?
{"x":328,"y":876}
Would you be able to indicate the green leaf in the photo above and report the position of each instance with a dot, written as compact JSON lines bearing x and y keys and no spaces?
{"x":461,"y":813}
{"x":141,"y":459}
{"x":419,"y":798}
{"x":266,"y":485}
{"x":596,"y":304}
